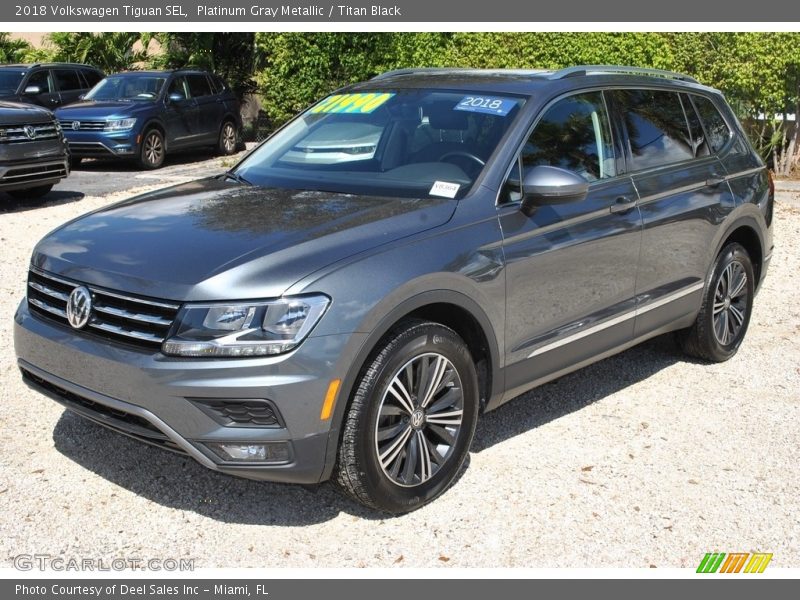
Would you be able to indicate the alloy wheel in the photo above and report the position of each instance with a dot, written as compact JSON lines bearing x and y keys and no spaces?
{"x":228,"y":138}
{"x":419,"y":419}
{"x":153,"y":148}
{"x":730,"y":303}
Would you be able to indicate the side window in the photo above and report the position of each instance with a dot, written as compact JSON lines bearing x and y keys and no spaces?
{"x":178,"y":86}
{"x":91,"y":77}
{"x":699,"y":142}
{"x":573,"y":134}
{"x":218,"y":84}
{"x":67,"y":79}
{"x":657,"y":130}
{"x":42,"y":80}
{"x":715,"y":126}
{"x":198,"y":85}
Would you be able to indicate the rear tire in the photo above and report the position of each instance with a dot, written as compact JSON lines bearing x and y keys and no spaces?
{"x":151,"y":151}
{"x":31,"y":193}
{"x":411,"y":420}
{"x":228,"y":140}
{"x":722,"y":323}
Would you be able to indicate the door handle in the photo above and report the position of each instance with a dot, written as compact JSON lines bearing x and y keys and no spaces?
{"x":714,"y":180}
{"x":622,"y":205}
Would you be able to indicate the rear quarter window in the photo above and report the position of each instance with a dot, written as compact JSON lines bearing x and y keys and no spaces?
{"x":716,"y":128}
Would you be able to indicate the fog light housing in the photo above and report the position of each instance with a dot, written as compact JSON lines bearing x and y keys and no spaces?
{"x":262,"y":452}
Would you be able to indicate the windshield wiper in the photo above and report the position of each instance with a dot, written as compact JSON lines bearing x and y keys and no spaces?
{"x":236,"y":177}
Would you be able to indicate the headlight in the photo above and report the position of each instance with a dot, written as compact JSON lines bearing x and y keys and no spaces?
{"x":244,"y":329}
{"x":117,"y":124}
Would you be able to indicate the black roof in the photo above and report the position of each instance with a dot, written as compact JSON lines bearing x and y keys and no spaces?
{"x":162,"y":71}
{"x":48,"y":64}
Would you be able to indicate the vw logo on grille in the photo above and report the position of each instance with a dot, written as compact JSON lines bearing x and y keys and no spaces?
{"x":30,"y":131}
{"x":76,"y":125}
{"x":79,"y":307}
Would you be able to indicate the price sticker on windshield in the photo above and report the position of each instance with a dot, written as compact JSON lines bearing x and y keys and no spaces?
{"x":359,"y":104}
{"x":445,"y":189}
{"x":490,"y":105}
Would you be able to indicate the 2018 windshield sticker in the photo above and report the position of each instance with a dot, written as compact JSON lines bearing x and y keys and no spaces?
{"x":492,"y":105}
{"x":444,"y":189}
{"x":360,"y":104}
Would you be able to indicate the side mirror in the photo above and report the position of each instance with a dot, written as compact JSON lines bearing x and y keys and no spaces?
{"x":82,"y":96}
{"x":176,"y":97}
{"x":33,"y":90}
{"x":545,"y":185}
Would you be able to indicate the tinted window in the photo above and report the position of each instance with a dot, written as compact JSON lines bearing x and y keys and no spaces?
{"x":198,"y":85}
{"x":217,"y":84}
{"x":715,"y":126}
{"x":10,"y":80}
{"x":91,"y":77}
{"x":657,"y":128}
{"x":699,"y":142}
{"x":42,"y":80}
{"x":178,"y":86}
{"x":573,"y":134}
{"x":67,"y":79}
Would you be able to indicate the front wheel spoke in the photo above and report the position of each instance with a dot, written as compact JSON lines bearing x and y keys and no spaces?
{"x":452,"y":418}
{"x":433,"y":452}
{"x":447,"y":400}
{"x":399,"y":391}
{"x":425,"y":468}
{"x":723,"y":327}
{"x":394,"y":449}
{"x":718,"y":307}
{"x":412,"y":452}
{"x":738,"y":315}
{"x":441,"y":434}
{"x":435,"y":383}
{"x":390,"y":432}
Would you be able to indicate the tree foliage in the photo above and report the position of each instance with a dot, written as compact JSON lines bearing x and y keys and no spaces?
{"x":13,"y":50}
{"x":111,"y":51}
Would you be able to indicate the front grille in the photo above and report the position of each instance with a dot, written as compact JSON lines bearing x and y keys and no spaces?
{"x":34,"y":173}
{"x":118,"y":420}
{"x":82,"y":125}
{"x":142,"y":322}
{"x":239,"y":413}
{"x":31,"y":132}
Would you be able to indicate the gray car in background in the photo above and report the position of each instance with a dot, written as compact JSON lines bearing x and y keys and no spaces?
{"x":33,"y":153}
{"x":408,"y":253}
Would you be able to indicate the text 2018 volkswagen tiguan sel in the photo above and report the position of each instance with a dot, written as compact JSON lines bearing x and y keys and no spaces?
{"x":407,"y":253}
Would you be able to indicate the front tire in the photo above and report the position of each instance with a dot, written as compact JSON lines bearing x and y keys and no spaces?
{"x":152,"y":151}
{"x":411,"y":420}
{"x":722,"y":323}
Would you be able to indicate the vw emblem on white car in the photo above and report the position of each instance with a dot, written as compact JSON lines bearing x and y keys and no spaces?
{"x":29,"y":131}
{"x":76,"y":125}
{"x":79,"y":307}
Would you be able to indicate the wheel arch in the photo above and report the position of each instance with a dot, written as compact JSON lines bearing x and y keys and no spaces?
{"x":745,"y":231}
{"x":446,"y":307}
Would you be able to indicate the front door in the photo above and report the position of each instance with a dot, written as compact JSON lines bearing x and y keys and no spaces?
{"x":570,"y":268}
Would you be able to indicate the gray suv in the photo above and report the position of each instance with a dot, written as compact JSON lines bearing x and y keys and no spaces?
{"x":408,"y":253}
{"x":33,"y":153}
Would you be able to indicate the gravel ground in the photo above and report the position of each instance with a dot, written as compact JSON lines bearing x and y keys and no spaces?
{"x":640,"y":460}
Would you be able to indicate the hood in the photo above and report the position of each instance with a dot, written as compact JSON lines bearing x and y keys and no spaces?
{"x":212,"y":239}
{"x":86,"y":109}
{"x":13,"y":113}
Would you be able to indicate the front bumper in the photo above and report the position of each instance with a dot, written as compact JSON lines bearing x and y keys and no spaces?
{"x":154,"y":398}
{"x":32,"y":164}
{"x":102,"y":144}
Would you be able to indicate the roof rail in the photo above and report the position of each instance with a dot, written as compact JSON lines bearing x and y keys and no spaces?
{"x":581,"y":70}
{"x":457,"y":70}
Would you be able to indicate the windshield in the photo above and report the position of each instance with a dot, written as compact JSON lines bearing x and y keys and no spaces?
{"x":410,"y":143}
{"x":144,"y":87}
{"x":9,"y":81}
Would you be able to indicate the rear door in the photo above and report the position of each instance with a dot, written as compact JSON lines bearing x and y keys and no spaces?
{"x":684,"y":195}
{"x":571,"y":268}
{"x":69,"y":84}
{"x":210,"y":109}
